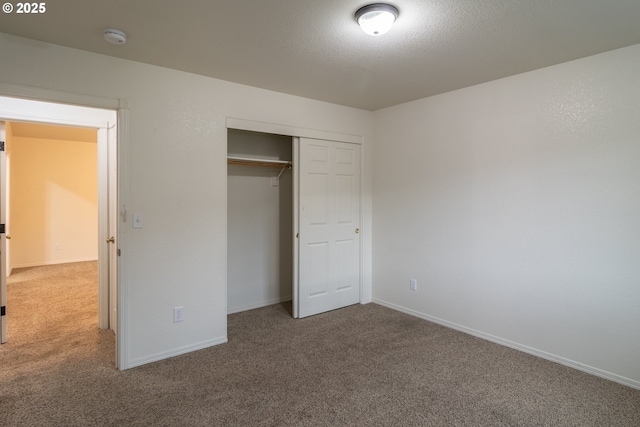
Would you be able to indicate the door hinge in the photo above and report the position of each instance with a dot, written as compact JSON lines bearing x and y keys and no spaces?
{"x":1,"y":145}
{"x":3,"y":311}
{"x":118,"y":252}
{"x":1,"y":228}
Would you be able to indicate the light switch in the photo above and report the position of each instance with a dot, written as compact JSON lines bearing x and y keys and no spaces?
{"x":137,"y":220}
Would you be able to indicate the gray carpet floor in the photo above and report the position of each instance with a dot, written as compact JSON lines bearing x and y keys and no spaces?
{"x":364,"y":365}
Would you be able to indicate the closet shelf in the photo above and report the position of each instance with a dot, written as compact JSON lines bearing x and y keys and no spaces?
{"x":248,"y":161}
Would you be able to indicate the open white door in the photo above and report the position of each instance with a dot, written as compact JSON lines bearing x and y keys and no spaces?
{"x":113,"y":225}
{"x":108,"y":219}
{"x":329,"y":212}
{"x":3,"y":236}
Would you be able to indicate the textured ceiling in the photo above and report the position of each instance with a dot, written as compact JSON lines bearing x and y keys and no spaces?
{"x":313,"y":48}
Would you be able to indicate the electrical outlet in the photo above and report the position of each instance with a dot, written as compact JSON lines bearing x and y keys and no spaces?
{"x":178,"y":314}
{"x":413,"y":284}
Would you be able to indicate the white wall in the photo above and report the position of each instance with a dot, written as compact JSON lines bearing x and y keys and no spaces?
{"x":515,"y":204}
{"x":54,"y":205}
{"x":260,"y":223}
{"x":177,"y":179}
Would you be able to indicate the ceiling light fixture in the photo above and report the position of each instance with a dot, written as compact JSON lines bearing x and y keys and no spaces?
{"x":376,"y":19}
{"x":116,"y":37}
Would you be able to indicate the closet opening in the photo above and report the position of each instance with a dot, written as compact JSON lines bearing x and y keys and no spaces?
{"x":260,"y":220}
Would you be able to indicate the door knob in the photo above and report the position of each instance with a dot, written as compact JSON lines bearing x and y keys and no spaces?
{"x":8,"y":237}
{"x":357,"y":230}
{"x":111,"y":240}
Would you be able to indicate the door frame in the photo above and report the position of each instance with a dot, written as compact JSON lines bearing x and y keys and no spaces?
{"x":296,"y":133}
{"x":66,"y":112}
{"x":3,"y":237}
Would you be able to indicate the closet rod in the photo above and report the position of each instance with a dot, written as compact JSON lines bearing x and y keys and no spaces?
{"x":244,"y":161}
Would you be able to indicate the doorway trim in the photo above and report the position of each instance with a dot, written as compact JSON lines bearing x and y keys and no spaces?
{"x":119,"y":106}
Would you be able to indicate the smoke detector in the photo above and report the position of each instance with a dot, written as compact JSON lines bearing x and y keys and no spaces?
{"x":116,"y":37}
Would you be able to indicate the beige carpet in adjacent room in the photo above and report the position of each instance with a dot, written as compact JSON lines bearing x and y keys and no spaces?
{"x":364,"y":365}
{"x":52,"y":301}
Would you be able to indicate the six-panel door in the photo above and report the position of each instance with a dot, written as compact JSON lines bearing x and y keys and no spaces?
{"x":329,"y":226}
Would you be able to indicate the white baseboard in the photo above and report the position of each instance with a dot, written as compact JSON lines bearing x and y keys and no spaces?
{"x":507,"y":343}
{"x":65,"y":261}
{"x":174,"y":352}
{"x":259,"y":304}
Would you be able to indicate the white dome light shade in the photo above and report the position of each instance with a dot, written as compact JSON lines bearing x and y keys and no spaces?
{"x":376,"y":19}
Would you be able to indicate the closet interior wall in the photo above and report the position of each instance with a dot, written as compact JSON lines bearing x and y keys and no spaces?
{"x":259,"y":223}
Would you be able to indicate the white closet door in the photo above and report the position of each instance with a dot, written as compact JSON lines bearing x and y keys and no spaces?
{"x":329,"y":246}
